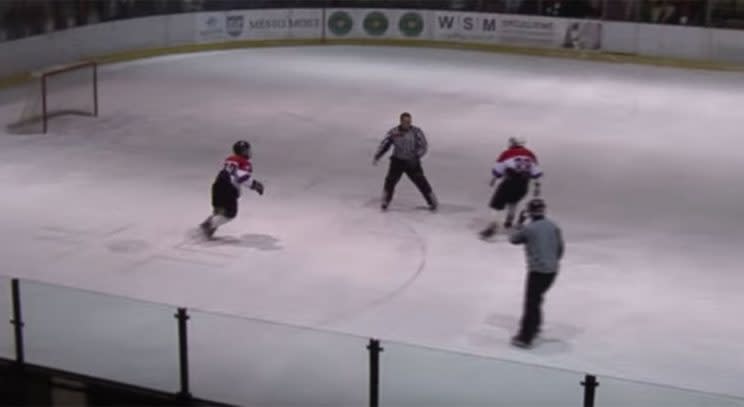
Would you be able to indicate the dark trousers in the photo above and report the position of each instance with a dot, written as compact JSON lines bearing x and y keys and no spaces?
{"x":415,"y":173}
{"x":510,"y":191}
{"x":537,"y":285}
{"x":225,"y":197}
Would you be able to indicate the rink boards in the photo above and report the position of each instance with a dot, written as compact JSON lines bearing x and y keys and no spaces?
{"x":151,"y":36}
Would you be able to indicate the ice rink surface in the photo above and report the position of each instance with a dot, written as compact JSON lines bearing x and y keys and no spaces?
{"x":643,"y":172}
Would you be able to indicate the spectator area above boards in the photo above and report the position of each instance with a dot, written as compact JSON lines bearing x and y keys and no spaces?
{"x":21,"y":18}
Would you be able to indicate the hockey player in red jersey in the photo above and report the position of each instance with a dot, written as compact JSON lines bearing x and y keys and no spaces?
{"x":517,"y":165}
{"x":237,"y":172}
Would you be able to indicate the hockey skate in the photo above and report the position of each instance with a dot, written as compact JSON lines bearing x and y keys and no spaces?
{"x":489,"y":232}
{"x":509,"y":222}
{"x":207,"y":229}
{"x":387,"y":197}
{"x":520,"y":343}
{"x":431,"y":199}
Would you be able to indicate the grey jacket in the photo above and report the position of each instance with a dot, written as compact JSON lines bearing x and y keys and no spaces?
{"x":407,"y":145}
{"x":543,"y":245}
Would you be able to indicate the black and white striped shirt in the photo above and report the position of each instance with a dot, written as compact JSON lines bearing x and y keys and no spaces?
{"x":407,"y":144}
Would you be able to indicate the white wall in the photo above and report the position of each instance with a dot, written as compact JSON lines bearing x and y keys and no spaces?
{"x":620,"y":37}
{"x":94,"y":40}
{"x":164,"y":31}
{"x":674,"y":41}
{"x":727,"y":45}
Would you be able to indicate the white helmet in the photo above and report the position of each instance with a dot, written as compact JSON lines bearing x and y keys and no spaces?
{"x":517,"y":141}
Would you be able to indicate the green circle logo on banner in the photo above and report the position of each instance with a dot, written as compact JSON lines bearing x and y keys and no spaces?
{"x":340,"y":23}
{"x":375,"y":24}
{"x":411,"y":24}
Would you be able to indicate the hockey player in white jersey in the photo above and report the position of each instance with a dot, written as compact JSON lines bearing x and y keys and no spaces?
{"x":236,"y":172}
{"x":516,"y":166}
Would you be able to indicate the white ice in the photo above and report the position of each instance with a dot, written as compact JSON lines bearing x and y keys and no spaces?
{"x":642,"y":164}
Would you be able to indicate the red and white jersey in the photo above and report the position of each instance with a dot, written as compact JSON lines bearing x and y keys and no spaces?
{"x":517,"y":161}
{"x":240,"y":170}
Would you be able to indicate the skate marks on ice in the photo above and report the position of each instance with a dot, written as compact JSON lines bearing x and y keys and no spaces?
{"x":497,"y":330}
{"x":77,"y":239}
{"x":226,"y":244}
{"x":63,"y":235}
{"x":80,"y":244}
{"x":127,"y":246}
{"x":66,"y":234}
{"x":448,"y":209}
{"x":250,"y":241}
{"x":198,"y":252}
{"x":408,"y":207}
{"x":135,"y":252}
{"x":477,"y":224}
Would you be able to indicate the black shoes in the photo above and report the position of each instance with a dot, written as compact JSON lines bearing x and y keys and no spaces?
{"x":207,"y":229}
{"x":521,"y":343}
{"x":431,"y":199}
{"x":488,"y":232}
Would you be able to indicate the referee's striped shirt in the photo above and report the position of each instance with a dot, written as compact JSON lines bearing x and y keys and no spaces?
{"x":407,"y":144}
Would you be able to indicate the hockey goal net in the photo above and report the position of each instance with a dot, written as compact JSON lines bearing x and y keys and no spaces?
{"x":58,"y":91}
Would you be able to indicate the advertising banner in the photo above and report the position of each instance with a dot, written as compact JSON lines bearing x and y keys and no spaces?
{"x":378,"y":23}
{"x":398,"y":24}
{"x":583,"y":34}
{"x":210,"y":27}
{"x":516,"y":30}
{"x":466,"y":27}
{"x":259,"y":25}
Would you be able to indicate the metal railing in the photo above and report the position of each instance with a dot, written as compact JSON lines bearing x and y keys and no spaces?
{"x":190,"y":353}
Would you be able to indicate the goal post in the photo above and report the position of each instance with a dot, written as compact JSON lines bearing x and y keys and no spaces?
{"x":58,"y":91}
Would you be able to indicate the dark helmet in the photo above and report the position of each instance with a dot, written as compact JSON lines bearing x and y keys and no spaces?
{"x":242,"y":148}
{"x":536,"y":207}
{"x":517,"y":142}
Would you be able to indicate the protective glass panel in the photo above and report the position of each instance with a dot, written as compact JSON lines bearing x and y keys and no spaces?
{"x":251,"y":363}
{"x":98,"y":335}
{"x":413,"y":376}
{"x":7,"y":343}
{"x":616,"y":393}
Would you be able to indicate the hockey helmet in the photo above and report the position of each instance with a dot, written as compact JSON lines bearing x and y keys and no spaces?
{"x":242,"y":148}
{"x":517,"y":141}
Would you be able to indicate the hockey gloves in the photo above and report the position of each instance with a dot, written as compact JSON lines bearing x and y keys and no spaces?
{"x":257,"y":186}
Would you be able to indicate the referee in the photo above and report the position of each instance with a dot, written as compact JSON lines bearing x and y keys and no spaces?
{"x":544,"y":249}
{"x":409,"y":146}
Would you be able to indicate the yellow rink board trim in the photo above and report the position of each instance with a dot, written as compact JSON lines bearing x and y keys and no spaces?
{"x":13,"y":80}
{"x":597,"y":56}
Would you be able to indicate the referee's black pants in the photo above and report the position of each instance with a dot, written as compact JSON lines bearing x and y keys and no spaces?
{"x":537,"y":285}
{"x":414,"y":171}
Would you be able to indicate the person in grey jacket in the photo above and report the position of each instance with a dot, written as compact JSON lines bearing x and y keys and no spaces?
{"x":409,"y":146}
{"x":544,"y":249}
